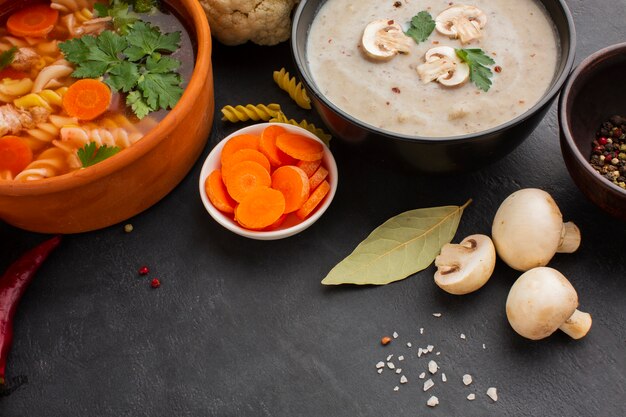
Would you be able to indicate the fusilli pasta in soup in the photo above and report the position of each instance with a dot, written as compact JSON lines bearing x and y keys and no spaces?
{"x":81,"y":80}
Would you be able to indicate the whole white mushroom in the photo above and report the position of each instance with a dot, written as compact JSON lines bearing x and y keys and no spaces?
{"x":528,"y":230}
{"x":541,"y":301}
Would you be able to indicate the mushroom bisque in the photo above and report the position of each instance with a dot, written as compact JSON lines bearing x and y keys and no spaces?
{"x":541,"y":301}
{"x":528,"y":230}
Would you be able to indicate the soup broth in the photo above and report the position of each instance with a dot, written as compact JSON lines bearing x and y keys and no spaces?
{"x":518,"y":35}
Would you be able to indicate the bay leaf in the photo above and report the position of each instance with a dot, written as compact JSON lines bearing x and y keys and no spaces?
{"x":401,"y":246}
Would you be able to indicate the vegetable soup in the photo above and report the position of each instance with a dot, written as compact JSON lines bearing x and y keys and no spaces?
{"x":433,"y":68}
{"x":81,"y":80}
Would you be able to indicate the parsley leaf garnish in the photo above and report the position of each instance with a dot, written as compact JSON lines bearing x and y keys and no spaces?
{"x":133,"y":64}
{"x":422,"y":25}
{"x":90,"y":154}
{"x":7,"y":57}
{"x":477,"y":61}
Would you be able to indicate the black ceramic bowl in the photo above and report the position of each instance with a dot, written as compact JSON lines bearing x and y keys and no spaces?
{"x":594,"y":92}
{"x":439,"y":155}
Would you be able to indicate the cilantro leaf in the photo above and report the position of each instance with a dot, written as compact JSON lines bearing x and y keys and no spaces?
{"x":161,"y":65}
{"x":136,"y":102}
{"x":109,"y":47}
{"x":76,"y":50}
{"x":145,"y":39}
{"x":477,"y":60}
{"x":123,"y":76}
{"x":161,"y":90}
{"x":7,"y":57}
{"x":123,"y":17}
{"x":90,"y":154}
{"x":102,"y":10}
{"x":144,"y":6}
{"x":422,"y":25}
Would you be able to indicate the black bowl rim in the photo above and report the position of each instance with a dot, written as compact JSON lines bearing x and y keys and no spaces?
{"x":546,"y":98}
{"x":588,"y":64}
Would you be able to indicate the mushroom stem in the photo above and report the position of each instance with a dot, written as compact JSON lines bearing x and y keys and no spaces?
{"x":577,"y":325}
{"x":570,"y":238}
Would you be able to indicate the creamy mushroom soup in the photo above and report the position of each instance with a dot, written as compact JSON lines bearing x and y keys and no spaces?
{"x":391,"y":94}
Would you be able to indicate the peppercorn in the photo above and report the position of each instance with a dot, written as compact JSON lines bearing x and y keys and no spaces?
{"x":143,"y":270}
{"x":155,"y":283}
{"x":608,"y":156}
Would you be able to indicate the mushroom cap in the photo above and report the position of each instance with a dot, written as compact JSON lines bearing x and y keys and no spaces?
{"x":383,"y":39}
{"x":540,"y":301}
{"x":444,"y":22}
{"x":467,"y":266}
{"x":452,"y":71}
{"x":527,"y":229}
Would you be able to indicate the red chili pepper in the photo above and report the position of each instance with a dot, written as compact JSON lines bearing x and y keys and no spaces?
{"x":13,"y":284}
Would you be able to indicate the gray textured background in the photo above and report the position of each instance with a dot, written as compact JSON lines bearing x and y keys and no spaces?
{"x":244,"y":328}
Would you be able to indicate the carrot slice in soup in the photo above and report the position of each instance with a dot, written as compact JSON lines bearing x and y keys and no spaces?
{"x":261,"y":208}
{"x":245,"y":155}
{"x":15,"y":155}
{"x":237,"y":143}
{"x":317,"y":196}
{"x":317,"y":178}
{"x":309,"y":167}
{"x":267,"y":145}
{"x":87,"y":99}
{"x":294,"y":184}
{"x":34,"y":21}
{"x":216,"y":191}
{"x":300,"y":147}
{"x":244,"y":177}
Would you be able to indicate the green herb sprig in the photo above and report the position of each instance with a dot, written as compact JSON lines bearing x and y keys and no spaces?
{"x":477,"y":60}
{"x":422,"y":25}
{"x":7,"y":57}
{"x":90,"y":154}
{"x":135,"y":64}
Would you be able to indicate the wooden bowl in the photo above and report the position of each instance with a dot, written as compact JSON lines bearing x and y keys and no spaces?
{"x":136,"y":178}
{"x":594,"y":92}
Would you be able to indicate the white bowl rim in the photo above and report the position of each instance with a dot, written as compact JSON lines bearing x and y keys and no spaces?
{"x":212,"y":162}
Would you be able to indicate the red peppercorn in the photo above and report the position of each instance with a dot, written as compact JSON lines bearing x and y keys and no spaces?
{"x":598,"y":149}
{"x":602,"y":141}
{"x":617,"y":133}
{"x":155,"y":283}
{"x":143,"y":270}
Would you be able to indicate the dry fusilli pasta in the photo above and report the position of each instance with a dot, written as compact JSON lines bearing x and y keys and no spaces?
{"x":296,"y":91}
{"x":51,"y":162}
{"x":325,"y":137}
{"x":250,"y":112}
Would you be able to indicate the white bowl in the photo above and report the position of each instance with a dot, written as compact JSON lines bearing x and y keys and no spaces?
{"x":290,"y":227}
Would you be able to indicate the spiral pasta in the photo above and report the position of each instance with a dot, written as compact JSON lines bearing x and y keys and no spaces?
{"x":296,"y":91}
{"x":49,"y":76}
{"x":69,"y":6}
{"x":282,"y":118}
{"x":10,"y":88}
{"x":241,"y":113}
{"x":48,"y":99}
{"x":51,"y":162}
{"x":44,"y":133}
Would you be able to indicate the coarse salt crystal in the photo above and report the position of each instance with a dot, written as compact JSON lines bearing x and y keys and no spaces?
{"x":408,"y":344}
{"x":403,"y":380}
{"x":430,"y":348}
{"x":401,"y":358}
{"x":432,"y":401}
{"x":438,"y":353}
{"x":471,"y":397}
{"x":396,"y":388}
{"x":389,"y":357}
{"x":421,"y":330}
{"x":437,"y":314}
{"x":380,"y":364}
{"x":467,"y":379}
{"x":399,"y":370}
{"x":390,"y":365}
{"x":462,"y":336}
{"x":380,"y":371}
{"x":493,"y":393}
{"x":428,"y":384}
{"x":423,"y":375}
{"x":395,"y":335}
{"x":432,"y":367}
{"x":419,"y":352}
{"x":443,"y":377}
{"x":484,"y":347}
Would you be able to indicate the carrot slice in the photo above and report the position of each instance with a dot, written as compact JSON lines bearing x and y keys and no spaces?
{"x":245,"y":155}
{"x":13,"y":74}
{"x":317,"y":178}
{"x":309,"y":167}
{"x":237,"y":143}
{"x":216,"y":191}
{"x":300,"y":147}
{"x":244,"y":177}
{"x":314,"y":200}
{"x":267,"y":145}
{"x":87,"y":99}
{"x":261,"y":208}
{"x":294,"y":184}
{"x":34,"y":21}
{"x":277,"y":223}
{"x":15,"y":155}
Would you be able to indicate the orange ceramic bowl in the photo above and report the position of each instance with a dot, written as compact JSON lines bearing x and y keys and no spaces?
{"x":136,"y":178}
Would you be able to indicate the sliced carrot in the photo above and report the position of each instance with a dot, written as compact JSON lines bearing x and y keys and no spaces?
{"x":294,"y":184}
{"x":245,"y":155}
{"x":300,"y":147}
{"x":261,"y":208}
{"x":267,"y":145}
{"x":277,"y":223}
{"x":87,"y":99}
{"x":237,"y":143}
{"x":13,"y":74}
{"x":34,"y":21}
{"x":309,"y":167}
{"x":15,"y":155}
{"x":317,"y":178}
{"x":244,"y":177}
{"x":216,"y":191}
{"x":314,"y":200}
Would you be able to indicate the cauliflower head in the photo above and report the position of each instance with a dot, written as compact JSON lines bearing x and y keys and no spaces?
{"x":264,"y":22}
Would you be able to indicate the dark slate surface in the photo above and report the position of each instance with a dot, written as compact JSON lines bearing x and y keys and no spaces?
{"x":244,"y":328}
